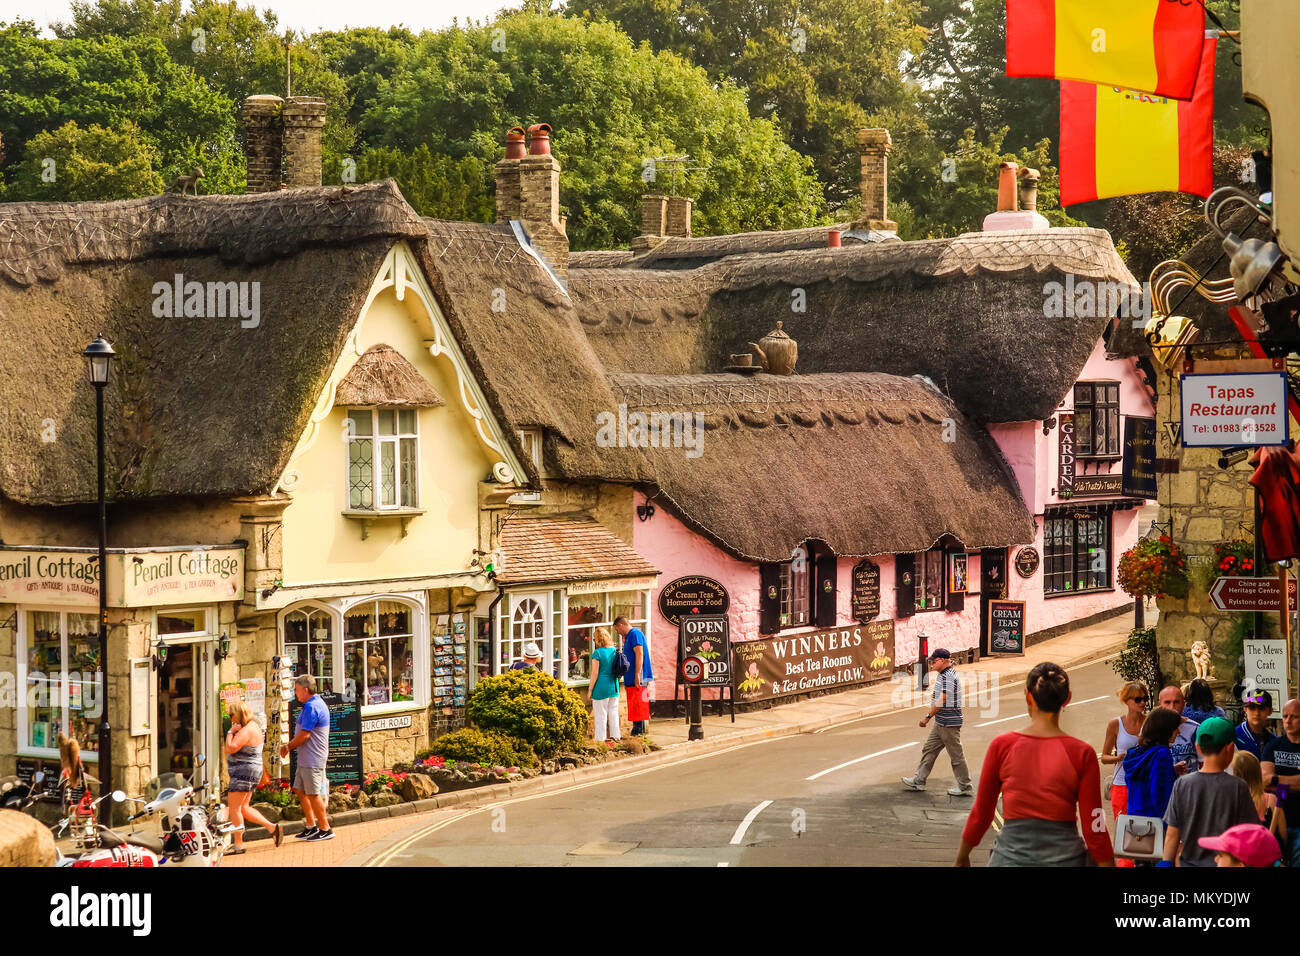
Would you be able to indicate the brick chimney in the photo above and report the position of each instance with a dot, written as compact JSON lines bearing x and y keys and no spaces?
{"x":1009,"y":215}
{"x":260,"y":116}
{"x":507,"y":175}
{"x":539,"y":200}
{"x":304,"y":118}
{"x":654,"y":223}
{"x":679,"y":216}
{"x":874,"y":146}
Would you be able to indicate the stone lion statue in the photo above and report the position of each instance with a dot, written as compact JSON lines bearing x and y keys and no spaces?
{"x":1200,"y":655}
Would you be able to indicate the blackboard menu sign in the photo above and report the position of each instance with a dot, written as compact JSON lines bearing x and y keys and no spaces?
{"x":344,"y":763}
{"x":1139,"y":457}
{"x":865,"y":600}
{"x":708,"y":637}
{"x":26,"y":769}
{"x":1006,"y":627}
{"x":692,"y":595}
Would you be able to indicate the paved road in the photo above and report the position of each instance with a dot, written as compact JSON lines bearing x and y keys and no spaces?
{"x":827,"y":798}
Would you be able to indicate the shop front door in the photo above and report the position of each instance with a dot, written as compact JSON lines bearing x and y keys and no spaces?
{"x":530,"y":622}
{"x":187,"y":724}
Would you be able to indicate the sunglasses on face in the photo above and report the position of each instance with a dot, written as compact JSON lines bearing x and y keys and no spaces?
{"x":1139,"y":700}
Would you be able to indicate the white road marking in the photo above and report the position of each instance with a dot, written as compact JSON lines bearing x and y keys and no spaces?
{"x":850,"y":763}
{"x":744,"y":824}
{"x":724,"y":864}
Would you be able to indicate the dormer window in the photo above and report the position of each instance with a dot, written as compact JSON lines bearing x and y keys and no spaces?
{"x":531,"y":439}
{"x":383,"y":459}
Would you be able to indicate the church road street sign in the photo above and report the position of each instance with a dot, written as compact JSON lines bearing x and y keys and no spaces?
{"x":1250,"y":594}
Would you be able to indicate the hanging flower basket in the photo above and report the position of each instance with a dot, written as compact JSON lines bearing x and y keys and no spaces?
{"x":1154,"y":568}
{"x":1234,"y":559}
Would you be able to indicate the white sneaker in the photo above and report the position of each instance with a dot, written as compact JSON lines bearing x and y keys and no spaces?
{"x":910,"y":783}
{"x":959,"y":792}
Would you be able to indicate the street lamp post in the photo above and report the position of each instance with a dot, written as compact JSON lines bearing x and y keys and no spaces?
{"x":99,"y":358}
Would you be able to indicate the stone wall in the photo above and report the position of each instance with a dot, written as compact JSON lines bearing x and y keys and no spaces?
{"x":1206,"y":505}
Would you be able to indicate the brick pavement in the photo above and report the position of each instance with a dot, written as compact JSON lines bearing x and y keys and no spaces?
{"x":347,"y":841}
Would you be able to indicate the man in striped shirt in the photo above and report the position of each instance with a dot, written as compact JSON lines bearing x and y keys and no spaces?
{"x":945,"y":712}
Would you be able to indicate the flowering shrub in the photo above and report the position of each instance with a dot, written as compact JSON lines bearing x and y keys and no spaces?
{"x":1234,"y":558}
{"x":1153,"y":568}
{"x":382,"y":780}
{"x":278,"y":793}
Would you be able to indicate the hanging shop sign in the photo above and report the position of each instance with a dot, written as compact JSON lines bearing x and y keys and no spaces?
{"x":1097,"y":486}
{"x":1006,"y":626}
{"x":1027,"y":562}
{"x":865,"y":594}
{"x":692,"y":595}
{"x":706,"y":639}
{"x":69,"y":577}
{"x":1234,"y":408}
{"x":344,"y":762}
{"x":1065,"y":455}
{"x":821,"y":660}
{"x":1139,"y":470}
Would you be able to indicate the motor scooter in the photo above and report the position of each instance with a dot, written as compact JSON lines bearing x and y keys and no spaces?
{"x":193,"y":832}
{"x":97,"y":844}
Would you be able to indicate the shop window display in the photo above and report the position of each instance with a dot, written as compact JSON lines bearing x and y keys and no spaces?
{"x":590,"y":611}
{"x":378,"y":652}
{"x":61,"y":658}
{"x":309,"y":643}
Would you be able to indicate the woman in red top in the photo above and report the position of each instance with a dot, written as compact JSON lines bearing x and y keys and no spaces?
{"x":1042,"y":774}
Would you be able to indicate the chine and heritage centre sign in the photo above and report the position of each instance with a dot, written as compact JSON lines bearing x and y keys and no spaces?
{"x":1234,"y":408}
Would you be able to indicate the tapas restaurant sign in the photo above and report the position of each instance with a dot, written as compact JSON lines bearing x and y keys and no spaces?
{"x":1065,"y":455}
{"x":865,"y":600}
{"x":692,"y":595}
{"x":780,"y":666}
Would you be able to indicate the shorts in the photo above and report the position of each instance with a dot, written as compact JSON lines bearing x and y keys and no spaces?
{"x":311,"y":781}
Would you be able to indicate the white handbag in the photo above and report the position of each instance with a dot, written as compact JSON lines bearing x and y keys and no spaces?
{"x":1139,"y":838}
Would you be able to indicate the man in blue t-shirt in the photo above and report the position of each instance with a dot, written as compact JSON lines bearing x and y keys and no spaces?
{"x":313,"y":737}
{"x":1280,"y":765}
{"x":1252,"y":733}
{"x":638,"y":676}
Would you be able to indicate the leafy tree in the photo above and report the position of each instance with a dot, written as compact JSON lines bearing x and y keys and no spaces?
{"x":72,"y":164}
{"x":820,"y":67}
{"x":437,"y":186}
{"x":614,"y":107}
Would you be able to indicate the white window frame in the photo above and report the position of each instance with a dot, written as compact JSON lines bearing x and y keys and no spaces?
{"x":377,"y":443}
{"x":22,"y":723}
{"x":642,"y":622}
{"x":309,"y":608}
{"x":420,"y":646}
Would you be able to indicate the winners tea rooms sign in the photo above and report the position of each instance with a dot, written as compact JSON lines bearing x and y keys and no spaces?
{"x":1241,"y":408}
{"x":70,"y":578}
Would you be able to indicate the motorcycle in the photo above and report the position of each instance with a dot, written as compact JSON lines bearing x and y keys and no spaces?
{"x":194,"y":831}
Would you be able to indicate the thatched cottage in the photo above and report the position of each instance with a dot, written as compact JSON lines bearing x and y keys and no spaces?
{"x":390,"y":451}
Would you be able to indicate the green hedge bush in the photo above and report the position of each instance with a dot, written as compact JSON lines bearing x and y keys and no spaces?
{"x":533,"y":707}
{"x":481,"y":746}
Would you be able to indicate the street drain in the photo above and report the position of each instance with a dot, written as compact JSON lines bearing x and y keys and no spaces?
{"x":602,"y":849}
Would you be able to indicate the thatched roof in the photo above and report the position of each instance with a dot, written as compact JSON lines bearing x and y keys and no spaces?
{"x":857,"y":460}
{"x":565,"y":549}
{"x":196,"y":406}
{"x":383,"y":376}
{"x":601,"y":259}
{"x":522,"y":337}
{"x":968,"y":312}
{"x":688,"y":252}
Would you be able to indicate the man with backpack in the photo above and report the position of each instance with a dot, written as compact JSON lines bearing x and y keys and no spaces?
{"x":639,"y":674}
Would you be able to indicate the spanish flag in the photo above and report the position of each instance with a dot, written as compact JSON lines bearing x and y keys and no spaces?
{"x":1152,"y":46}
{"x":1115,"y":142}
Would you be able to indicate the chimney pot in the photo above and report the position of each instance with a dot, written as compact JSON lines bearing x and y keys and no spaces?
{"x":1007,"y":197}
{"x":833,"y":239}
{"x":1029,"y":189}
{"x":539,"y":139}
{"x":515,"y":143}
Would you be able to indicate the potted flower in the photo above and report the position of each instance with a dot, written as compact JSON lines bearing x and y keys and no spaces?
{"x":1154,"y":568}
{"x":1234,"y":558}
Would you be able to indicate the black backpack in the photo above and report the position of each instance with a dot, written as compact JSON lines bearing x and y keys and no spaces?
{"x":621,"y":665}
